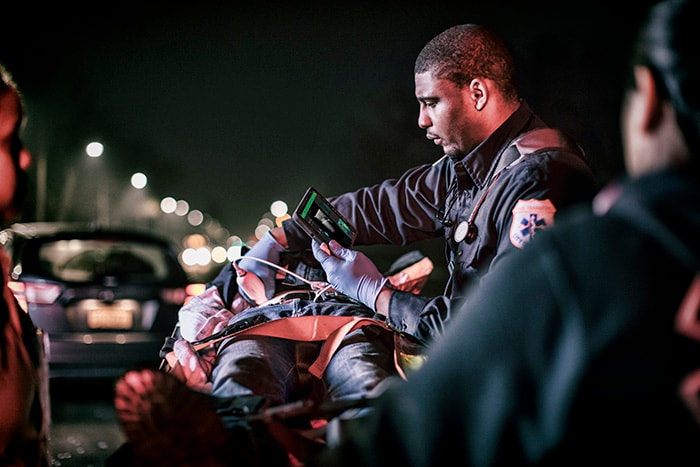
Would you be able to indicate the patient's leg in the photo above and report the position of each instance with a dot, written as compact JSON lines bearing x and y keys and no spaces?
{"x":273,"y":368}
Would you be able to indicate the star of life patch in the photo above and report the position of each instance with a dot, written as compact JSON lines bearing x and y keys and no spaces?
{"x":529,"y":216}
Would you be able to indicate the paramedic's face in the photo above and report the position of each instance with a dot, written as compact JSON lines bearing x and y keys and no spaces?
{"x":445,"y":114}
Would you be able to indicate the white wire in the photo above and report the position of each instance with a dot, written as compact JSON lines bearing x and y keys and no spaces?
{"x":319,"y":294}
{"x":313,"y":284}
{"x":281,"y":268}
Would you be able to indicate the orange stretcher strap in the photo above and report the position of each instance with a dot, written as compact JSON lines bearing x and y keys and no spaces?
{"x":333,"y":341}
{"x":331,"y":329}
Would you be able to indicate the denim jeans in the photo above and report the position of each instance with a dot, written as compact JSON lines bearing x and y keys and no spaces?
{"x":277,"y":368}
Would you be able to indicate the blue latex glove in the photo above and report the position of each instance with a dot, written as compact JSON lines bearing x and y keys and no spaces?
{"x":350,"y":272}
{"x":256,"y":280}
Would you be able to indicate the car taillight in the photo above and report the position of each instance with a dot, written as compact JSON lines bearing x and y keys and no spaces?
{"x":173,"y":296}
{"x":194,"y":289}
{"x":182,"y":296}
{"x":17,"y":289}
{"x":41,"y":294}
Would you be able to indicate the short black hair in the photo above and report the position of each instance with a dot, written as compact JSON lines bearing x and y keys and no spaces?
{"x":666,"y":44}
{"x":468,"y":51}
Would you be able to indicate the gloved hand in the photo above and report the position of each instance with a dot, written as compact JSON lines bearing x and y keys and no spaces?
{"x":256,"y":280}
{"x":350,"y":272}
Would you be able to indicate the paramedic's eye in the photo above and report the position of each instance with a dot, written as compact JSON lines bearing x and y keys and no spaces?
{"x":428,"y":103}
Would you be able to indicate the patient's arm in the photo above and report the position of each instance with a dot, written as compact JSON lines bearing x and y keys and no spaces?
{"x":196,"y":365}
{"x":207,"y":314}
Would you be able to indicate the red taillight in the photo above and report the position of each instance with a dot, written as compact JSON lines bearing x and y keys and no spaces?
{"x":173,"y":296}
{"x":41,"y":294}
{"x":195,"y":289}
{"x":182,"y":296}
{"x":17,"y":289}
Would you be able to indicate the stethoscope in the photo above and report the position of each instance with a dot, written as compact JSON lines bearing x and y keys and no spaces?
{"x":466,"y":230}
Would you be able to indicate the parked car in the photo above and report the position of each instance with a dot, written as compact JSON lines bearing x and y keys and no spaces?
{"x":106,"y":299}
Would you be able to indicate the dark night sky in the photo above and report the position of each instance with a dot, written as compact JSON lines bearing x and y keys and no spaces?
{"x":233,"y":107}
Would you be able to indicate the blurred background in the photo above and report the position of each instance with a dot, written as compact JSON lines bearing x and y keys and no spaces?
{"x":205,"y":121}
{"x":212,"y":118}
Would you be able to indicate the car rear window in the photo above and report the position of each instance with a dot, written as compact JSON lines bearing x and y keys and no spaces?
{"x":85,"y":260}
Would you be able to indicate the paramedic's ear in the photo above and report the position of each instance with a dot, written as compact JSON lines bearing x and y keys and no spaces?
{"x":478,"y":92}
{"x":650,"y":104}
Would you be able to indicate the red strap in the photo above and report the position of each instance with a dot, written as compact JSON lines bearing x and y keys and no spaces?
{"x":334,"y":338}
{"x":331,"y":329}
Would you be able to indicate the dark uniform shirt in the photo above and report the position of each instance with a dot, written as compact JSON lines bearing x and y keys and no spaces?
{"x":589,"y":354}
{"x":436,"y":200}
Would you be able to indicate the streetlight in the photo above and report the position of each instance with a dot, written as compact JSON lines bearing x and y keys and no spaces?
{"x":96,"y":149}
{"x":139,"y":180}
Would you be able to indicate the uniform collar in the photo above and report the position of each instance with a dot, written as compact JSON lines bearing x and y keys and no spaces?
{"x":480,"y":162}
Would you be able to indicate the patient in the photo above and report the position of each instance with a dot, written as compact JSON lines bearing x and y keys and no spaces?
{"x":260,"y":371}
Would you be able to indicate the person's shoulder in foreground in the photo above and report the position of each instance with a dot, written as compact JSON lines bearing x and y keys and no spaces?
{"x":23,"y":392}
{"x":592,"y":355}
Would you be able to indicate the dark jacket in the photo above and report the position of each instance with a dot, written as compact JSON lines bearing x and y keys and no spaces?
{"x":572,"y":352}
{"x":436,"y":200}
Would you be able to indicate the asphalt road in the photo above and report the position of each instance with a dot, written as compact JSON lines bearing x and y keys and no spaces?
{"x":84,"y":430}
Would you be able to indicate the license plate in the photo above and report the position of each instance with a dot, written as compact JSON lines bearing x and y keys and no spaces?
{"x":110,"y":318}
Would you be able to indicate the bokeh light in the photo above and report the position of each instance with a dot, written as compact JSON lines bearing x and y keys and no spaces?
{"x":94,"y":149}
{"x":139,"y":180}
{"x":168,"y":205}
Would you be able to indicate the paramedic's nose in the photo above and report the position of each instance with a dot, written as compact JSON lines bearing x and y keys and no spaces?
{"x":25,"y":159}
{"x":423,"y":119}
